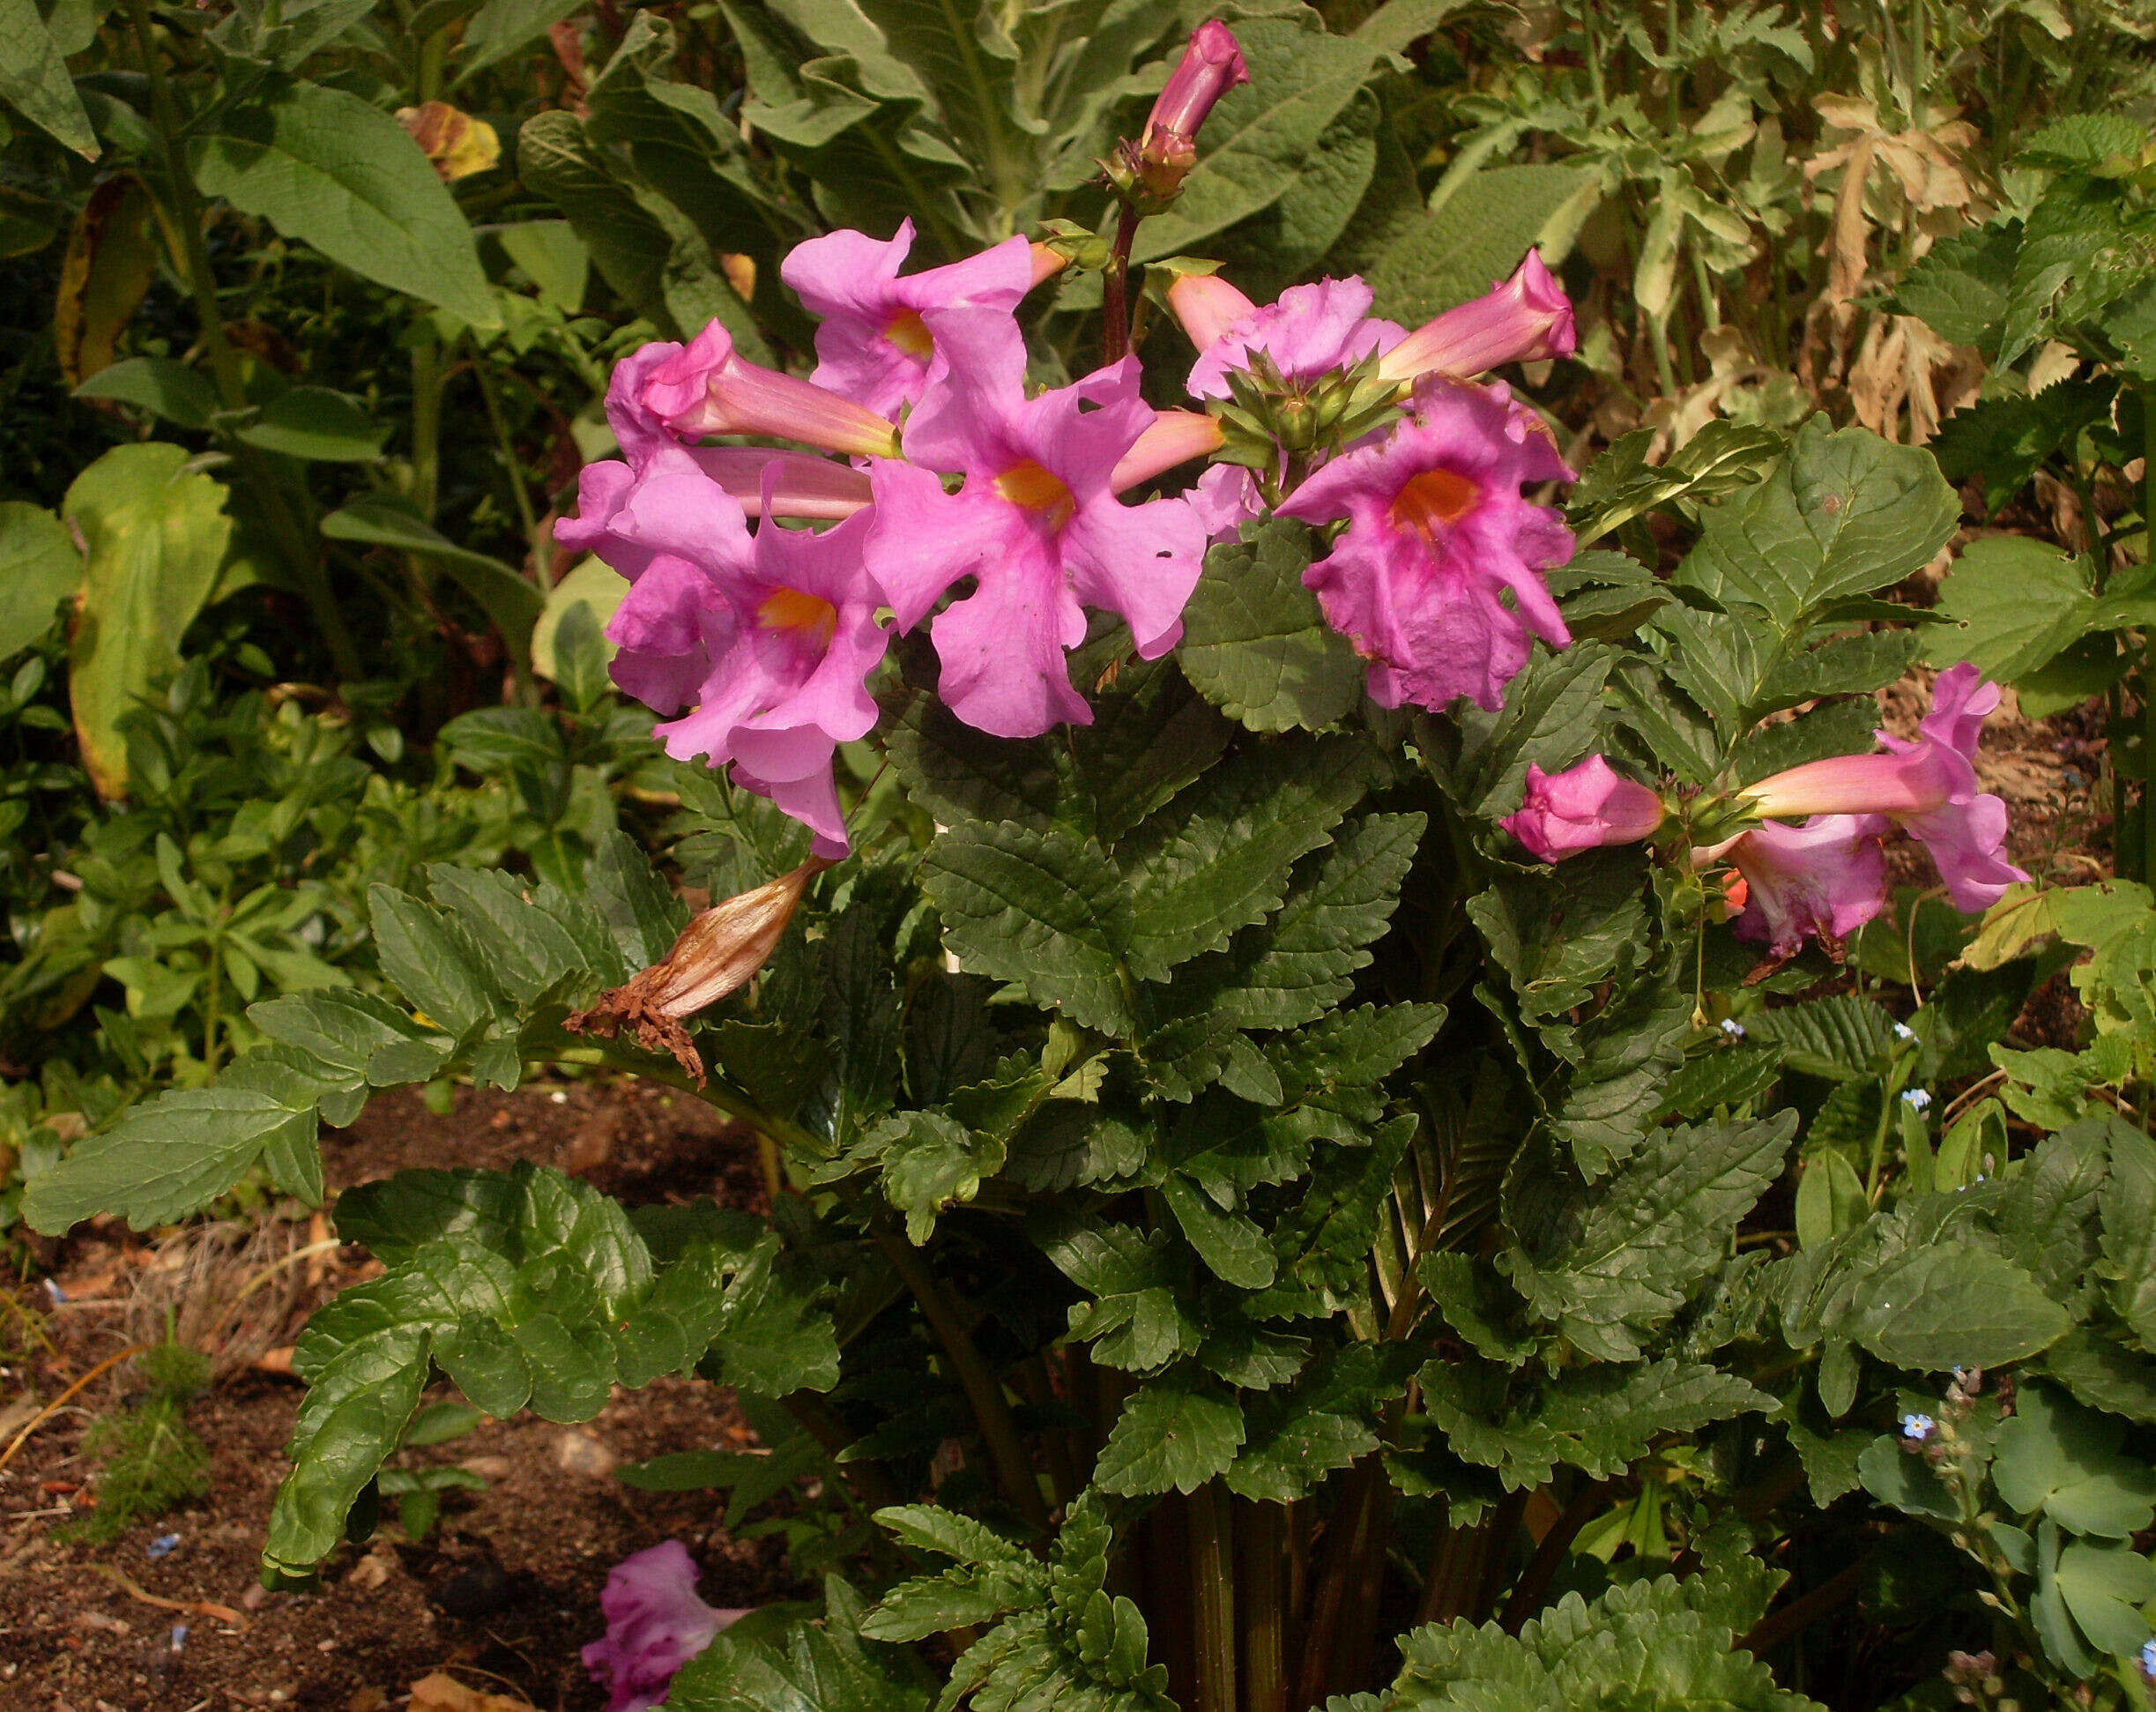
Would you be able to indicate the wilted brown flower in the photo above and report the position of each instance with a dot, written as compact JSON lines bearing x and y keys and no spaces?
{"x":458,"y":144}
{"x":716,"y":955}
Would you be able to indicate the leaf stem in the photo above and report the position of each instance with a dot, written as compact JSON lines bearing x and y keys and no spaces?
{"x":991,"y":1411}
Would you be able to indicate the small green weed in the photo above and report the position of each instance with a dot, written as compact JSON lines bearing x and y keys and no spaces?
{"x":153,"y":1458}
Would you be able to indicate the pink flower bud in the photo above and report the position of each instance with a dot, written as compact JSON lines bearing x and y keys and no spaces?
{"x":1584,"y":807}
{"x":1525,"y":319}
{"x":1207,"y":306}
{"x":1211,"y":66}
{"x":707,"y":388}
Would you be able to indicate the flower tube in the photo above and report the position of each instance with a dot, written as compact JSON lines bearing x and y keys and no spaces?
{"x":1584,"y":807}
{"x":708,"y":388}
{"x":1928,"y":785}
{"x":713,"y":957}
{"x":1525,"y":318}
{"x":1206,"y":306}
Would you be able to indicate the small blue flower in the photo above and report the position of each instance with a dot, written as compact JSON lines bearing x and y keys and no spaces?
{"x":1917,"y":1428}
{"x":2148,"y":1659}
{"x":1903,"y":1031}
{"x":1733,"y":1029}
{"x":163,"y":1545}
{"x":1916,"y":1098}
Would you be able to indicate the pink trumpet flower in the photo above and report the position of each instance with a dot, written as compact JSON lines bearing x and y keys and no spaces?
{"x":1525,"y":318}
{"x":1037,"y":526}
{"x":1211,"y":66}
{"x":707,"y":388}
{"x":877,"y":342}
{"x":1438,"y":535}
{"x":1928,"y":785}
{"x":1826,"y":877}
{"x":1582,"y":808}
{"x":767,"y":639}
{"x":654,"y":1625}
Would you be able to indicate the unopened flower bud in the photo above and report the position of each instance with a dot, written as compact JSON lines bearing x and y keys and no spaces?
{"x":1583,"y":807}
{"x":1527,"y":318}
{"x":1211,"y":66}
{"x":715,"y":956}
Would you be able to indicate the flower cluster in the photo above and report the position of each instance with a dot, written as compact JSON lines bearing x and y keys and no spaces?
{"x":1826,"y":876}
{"x":930,"y":485}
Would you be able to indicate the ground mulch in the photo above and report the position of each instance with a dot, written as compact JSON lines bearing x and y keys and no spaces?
{"x":501,"y":1595}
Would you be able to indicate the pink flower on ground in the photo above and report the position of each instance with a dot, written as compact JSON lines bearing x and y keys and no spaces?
{"x":1436,"y":534}
{"x":1311,"y":331}
{"x":1037,"y":526}
{"x":654,"y":1625}
{"x":1826,"y":877}
{"x":877,"y":344}
{"x":768,"y":639}
{"x":1211,"y":66}
{"x":1928,"y":786}
{"x":1581,"y":807}
{"x":708,"y":388}
{"x":1525,"y":318}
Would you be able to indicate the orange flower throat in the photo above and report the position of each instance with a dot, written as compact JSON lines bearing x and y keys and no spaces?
{"x":792,"y":609}
{"x":1434,"y":500}
{"x":910,"y":333}
{"x":1039,"y":489}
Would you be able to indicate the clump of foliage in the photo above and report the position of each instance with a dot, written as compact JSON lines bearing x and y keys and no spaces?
{"x":149,"y":1458}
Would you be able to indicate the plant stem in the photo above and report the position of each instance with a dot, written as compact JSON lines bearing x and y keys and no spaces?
{"x":539,"y":545}
{"x":1213,"y":1586}
{"x":992,"y":1413}
{"x":2148,"y":673}
{"x":1261,"y":1565}
{"x":425,"y":421}
{"x":188,"y":213}
{"x":1534,"y":1583}
{"x":1115,"y":290}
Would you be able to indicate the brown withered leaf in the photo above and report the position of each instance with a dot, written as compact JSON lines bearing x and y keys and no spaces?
{"x":716,"y":955}
{"x":458,"y":144}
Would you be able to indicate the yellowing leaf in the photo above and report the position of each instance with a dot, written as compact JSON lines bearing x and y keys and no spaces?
{"x":156,"y":535}
{"x":110,"y":258}
{"x":458,"y":144}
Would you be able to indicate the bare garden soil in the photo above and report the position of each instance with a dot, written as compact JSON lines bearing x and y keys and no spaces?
{"x":501,"y":1595}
